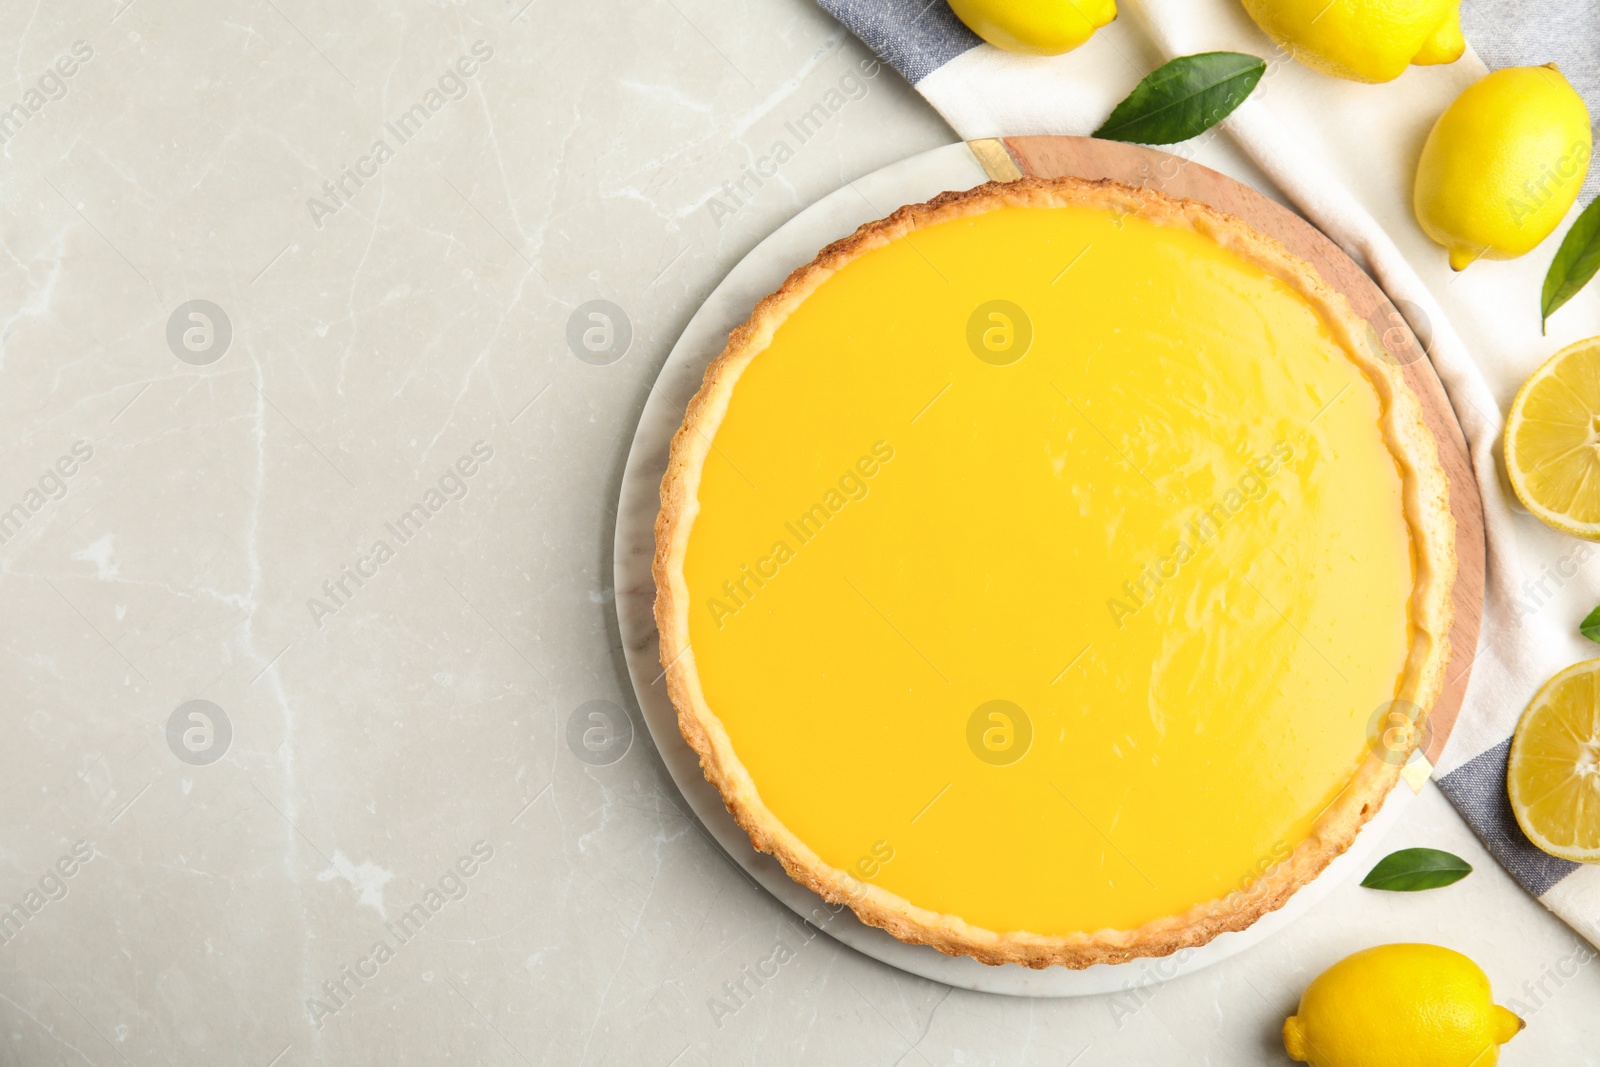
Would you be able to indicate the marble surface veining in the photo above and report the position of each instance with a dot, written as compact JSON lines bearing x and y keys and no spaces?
{"x":310,"y":444}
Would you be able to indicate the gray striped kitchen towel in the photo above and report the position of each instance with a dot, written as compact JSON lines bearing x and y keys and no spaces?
{"x":1343,"y":154}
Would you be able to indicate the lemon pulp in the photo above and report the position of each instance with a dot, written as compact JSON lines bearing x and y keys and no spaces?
{"x":1050,"y":566}
{"x":1553,"y":774}
{"x":1552,"y":443}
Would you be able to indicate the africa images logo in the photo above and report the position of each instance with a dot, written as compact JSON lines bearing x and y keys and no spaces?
{"x":451,"y":85}
{"x":852,"y":485}
{"x":52,"y":886}
{"x":52,"y":485}
{"x":50,"y":86}
{"x":1200,"y":532}
{"x":452,"y":487}
{"x":451,"y":886}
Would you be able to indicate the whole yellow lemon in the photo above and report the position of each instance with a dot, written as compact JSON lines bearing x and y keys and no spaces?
{"x":1363,"y":40}
{"x":1400,"y":1006}
{"x":1503,"y":164}
{"x":1037,"y":27}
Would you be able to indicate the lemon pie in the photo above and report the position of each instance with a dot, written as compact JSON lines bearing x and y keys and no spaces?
{"x":1054,"y":572}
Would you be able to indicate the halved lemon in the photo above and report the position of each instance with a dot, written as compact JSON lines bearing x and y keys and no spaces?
{"x":1553,"y":777}
{"x":1553,"y":441}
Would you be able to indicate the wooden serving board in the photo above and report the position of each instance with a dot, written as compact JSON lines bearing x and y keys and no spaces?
{"x":1009,"y":158}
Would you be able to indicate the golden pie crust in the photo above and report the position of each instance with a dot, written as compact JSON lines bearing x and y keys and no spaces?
{"x":1427,"y":514}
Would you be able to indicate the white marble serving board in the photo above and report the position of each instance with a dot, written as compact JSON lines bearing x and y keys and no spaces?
{"x":760,"y":272}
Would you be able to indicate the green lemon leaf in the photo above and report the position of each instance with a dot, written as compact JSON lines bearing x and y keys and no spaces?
{"x":1590,"y":626}
{"x":1413,"y":869}
{"x":1576,"y":261}
{"x":1184,"y":98}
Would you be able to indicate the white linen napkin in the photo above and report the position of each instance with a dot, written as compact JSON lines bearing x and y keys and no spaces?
{"x":1344,"y":155}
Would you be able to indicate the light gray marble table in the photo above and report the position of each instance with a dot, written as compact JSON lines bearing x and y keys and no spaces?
{"x":293,"y":426}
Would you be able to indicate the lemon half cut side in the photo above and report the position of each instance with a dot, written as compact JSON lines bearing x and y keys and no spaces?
{"x":1553,"y":775}
{"x":1552,"y":441}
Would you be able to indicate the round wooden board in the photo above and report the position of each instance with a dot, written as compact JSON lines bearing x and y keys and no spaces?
{"x":1088,"y":157}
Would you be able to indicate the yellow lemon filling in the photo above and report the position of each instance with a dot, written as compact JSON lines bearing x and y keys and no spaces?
{"x":1050,"y":566}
